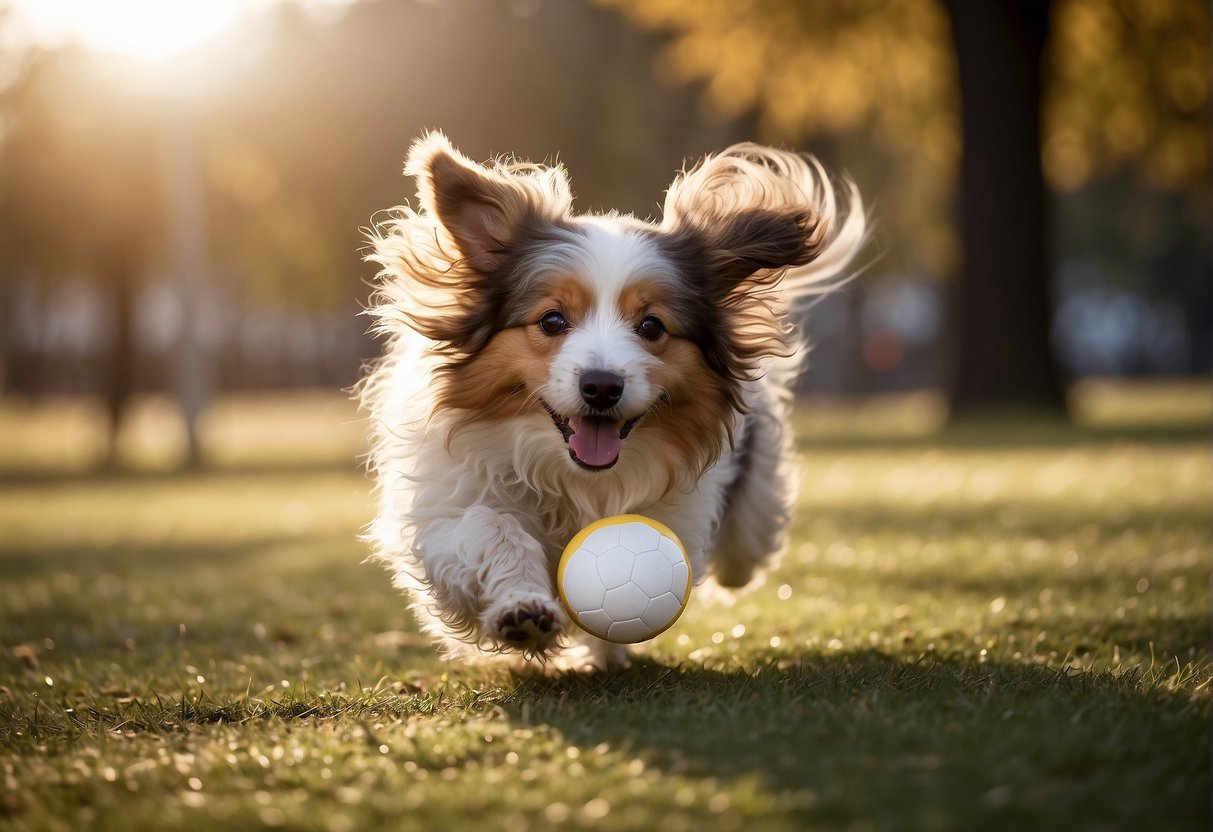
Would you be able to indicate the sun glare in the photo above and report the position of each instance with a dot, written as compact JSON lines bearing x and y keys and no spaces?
{"x":138,"y":28}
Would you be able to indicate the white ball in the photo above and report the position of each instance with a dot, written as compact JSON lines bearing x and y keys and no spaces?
{"x":624,"y":579}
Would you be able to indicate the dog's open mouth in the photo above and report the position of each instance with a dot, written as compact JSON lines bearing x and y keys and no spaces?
{"x":594,"y":441}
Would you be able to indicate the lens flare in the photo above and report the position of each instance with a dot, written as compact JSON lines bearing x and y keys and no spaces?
{"x":147,"y":29}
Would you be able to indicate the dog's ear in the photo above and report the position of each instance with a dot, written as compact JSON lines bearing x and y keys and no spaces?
{"x":483,"y":210}
{"x":739,"y":245}
{"x":749,"y":211}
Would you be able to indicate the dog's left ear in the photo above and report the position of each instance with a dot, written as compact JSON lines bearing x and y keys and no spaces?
{"x":749,"y":211}
{"x":484,"y":210}
{"x":739,"y":245}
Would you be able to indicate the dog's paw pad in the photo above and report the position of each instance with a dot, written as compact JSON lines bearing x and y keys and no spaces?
{"x":532,"y":622}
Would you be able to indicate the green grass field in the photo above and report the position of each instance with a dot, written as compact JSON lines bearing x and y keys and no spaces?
{"x":1003,"y":626}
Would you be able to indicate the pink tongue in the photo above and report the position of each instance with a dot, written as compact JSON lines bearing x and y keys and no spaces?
{"x":595,"y":442}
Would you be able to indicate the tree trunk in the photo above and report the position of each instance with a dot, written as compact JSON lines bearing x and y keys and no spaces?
{"x":119,"y":279}
{"x":1002,"y":306}
{"x":192,"y":380}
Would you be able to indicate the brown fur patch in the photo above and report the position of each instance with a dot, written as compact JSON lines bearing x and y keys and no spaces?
{"x":642,"y":298}
{"x":495,"y":383}
{"x":693,"y":418}
{"x":567,"y":295}
{"x":639,"y":298}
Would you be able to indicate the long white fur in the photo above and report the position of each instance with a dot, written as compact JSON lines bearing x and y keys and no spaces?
{"x":471,"y":522}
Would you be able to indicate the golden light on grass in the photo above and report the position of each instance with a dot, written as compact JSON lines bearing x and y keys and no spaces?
{"x":147,"y":29}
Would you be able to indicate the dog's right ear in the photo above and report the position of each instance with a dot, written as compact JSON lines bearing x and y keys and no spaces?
{"x":483,"y":210}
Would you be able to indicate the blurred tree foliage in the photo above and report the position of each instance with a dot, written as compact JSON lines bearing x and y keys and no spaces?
{"x":1125,"y":137}
{"x":81,"y":189}
{"x":877,"y":76}
{"x":1128,"y":86}
{"x":1127,"y":147}
{"x":79,"y":181}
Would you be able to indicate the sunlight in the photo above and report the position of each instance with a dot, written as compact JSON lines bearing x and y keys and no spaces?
{"x":139,"y":28}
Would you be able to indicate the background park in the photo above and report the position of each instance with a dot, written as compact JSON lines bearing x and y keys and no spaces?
{"x":995,"y":608}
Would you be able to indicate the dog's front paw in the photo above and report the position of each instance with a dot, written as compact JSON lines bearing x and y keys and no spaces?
{"x":529,"y":623}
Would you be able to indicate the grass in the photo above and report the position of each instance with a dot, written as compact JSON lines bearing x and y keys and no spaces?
{"x":1000,"y":626}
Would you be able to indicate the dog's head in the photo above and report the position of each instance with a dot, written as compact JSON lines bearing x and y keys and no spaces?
{"x":605,"y":326}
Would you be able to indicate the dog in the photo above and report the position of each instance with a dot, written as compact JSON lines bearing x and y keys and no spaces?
{"x":544,"y":369}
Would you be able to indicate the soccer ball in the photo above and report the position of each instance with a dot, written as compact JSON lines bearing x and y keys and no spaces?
{"x":624,"y":579}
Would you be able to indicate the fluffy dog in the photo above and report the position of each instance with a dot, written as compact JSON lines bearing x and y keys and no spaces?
{"x":545,"y":369}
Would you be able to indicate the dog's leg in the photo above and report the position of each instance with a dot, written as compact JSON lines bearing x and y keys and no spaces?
{"x":489,"y":574}
{"x":753,"y":532}
{"x":590,"y":654}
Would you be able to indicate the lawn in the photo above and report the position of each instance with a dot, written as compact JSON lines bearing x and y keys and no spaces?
{"x":1001,"y":626}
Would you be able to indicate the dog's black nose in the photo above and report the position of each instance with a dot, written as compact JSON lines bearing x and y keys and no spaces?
{"x":601,"y":389}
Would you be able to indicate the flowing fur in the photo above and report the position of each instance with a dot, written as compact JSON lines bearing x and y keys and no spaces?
{"x":477,"y":492}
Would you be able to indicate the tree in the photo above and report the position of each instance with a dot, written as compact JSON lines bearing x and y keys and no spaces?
{"x":81,"y":191}
{"x":1125,"y":85}
{"x":1003,"y":312}
{"x":869,"y":81}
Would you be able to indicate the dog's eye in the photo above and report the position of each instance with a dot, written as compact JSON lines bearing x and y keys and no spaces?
{"x":553,"y":323}
{"x":651,"y":328}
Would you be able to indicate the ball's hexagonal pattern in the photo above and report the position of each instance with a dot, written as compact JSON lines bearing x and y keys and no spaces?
{"x":583,"y":584}
{"x":624,"y":602}
{"x":681,"y":573}
{"x":615,"y":566}
{"x":663,"y":608}
{"x":651,"y":572}
{"x":638,"y":537}
{"x":596,"y":620}
{"x":628,"y":632}
{"x":624,"y":579}
{"x":672,"y":549}
{"x":601,"y":540}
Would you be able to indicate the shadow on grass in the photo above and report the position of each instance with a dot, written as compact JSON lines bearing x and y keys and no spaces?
{"x":822,"y":738}
{"x":846,"y":735}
